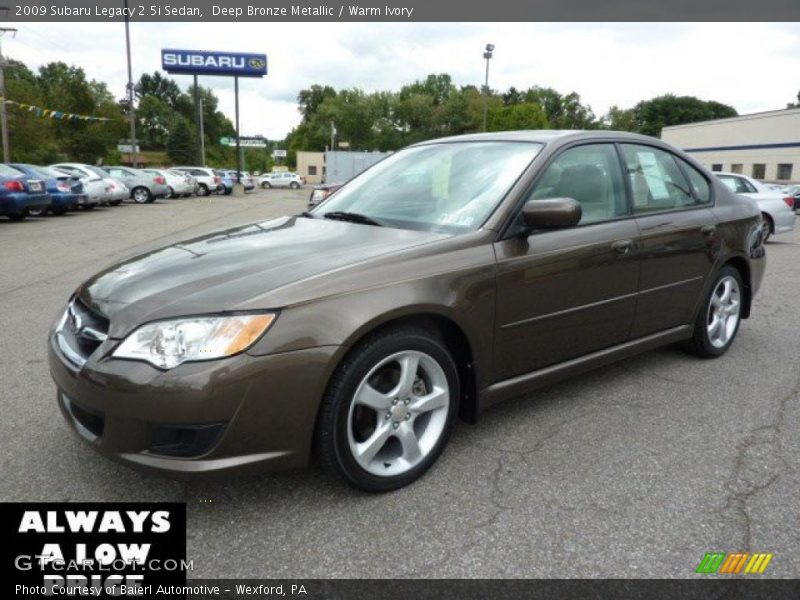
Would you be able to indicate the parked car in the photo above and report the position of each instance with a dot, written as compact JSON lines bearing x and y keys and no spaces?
{"x":454,"y":274}
{"x":178,"y":184}
{"x":20,"y":194}
{"x":777,"y":208}
{"x":144,"y":187}
{"x":115,"y":190}
{"x":281,"y":179}
{"x":247,"y":181}
{"x":321,"y":192}
{"x":96,"y":186}
{"x":65,"y":191}
{"x":226,"y":181}
{"x":207,"y":181}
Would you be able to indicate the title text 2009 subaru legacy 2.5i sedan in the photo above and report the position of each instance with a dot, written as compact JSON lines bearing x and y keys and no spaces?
{"x":451,"y":275}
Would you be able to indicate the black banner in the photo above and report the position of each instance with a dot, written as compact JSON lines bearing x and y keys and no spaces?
{"x":92,"y":549}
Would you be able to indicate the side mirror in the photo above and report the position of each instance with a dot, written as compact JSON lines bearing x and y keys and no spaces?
{"x":552,"y":213}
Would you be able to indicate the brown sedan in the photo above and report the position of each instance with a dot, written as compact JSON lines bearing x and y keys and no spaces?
{"x":454,"y":274}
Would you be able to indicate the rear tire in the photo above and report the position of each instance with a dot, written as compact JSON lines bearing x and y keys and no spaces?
{"x":115,"y":203}
{"x":19,"y":216}
{"x":265,"y":185}
{"x":141,"y":195}
{"x":170,"y":193}
{"x":719,"y":317}
{"x":202,"y":190}
{"x":389,"y":409}
{"x":294,"y":185}
{"x":37,"y":212}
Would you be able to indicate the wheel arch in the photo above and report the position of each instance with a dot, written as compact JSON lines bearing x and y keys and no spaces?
{"x":446,"y":327}
{"x":740,"y":264}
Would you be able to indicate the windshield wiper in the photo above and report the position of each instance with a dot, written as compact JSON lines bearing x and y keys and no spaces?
{"x":352,"y":218}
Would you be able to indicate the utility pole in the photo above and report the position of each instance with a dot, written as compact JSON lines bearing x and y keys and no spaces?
{"x":238,"y":145}
{"x":3,"y":118}
{"x":488,"y":56}
{"x":202,"y":136}
{"x":198,"y":117}
{"x":131,"y":110}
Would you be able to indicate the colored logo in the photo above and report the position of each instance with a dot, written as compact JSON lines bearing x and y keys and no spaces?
{"x":256,"y":63}
{"x":734,"y":563}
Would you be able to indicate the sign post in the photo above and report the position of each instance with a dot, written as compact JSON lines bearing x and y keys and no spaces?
{"x":226,"y":64}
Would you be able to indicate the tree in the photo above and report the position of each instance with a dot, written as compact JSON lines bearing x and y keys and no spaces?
{"x":159,"y":86}
{"x":650,"y":116}
{"x":180,"y":144}
{"x":518,"y":116}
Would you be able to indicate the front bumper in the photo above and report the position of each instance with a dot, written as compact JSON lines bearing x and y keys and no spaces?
{"x":17,"y":202}
{"x":240,"y":414}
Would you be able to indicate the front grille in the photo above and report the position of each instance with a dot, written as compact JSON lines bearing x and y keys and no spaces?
{"x":81,"y":332}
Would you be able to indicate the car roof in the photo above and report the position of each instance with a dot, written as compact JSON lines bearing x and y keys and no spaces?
{"x":542,"y":136}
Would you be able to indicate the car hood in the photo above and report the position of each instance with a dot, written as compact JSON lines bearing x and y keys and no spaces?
{"x":223,"y":270}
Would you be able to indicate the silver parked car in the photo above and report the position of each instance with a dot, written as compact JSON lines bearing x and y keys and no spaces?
{"x":97,"y":186}
{"x":207,"y":180}
{"x":178,"y":184}
{"x":145,"y":187}
{"x":777,"y":208}
{"x":280,"y":180}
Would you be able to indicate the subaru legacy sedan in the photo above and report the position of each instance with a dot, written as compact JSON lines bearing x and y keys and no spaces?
{"x":452,"y":275}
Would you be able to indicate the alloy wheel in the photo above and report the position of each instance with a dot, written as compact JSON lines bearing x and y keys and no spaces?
{"x":398,"y":413}
{"x":724,"y":307}
{"x":140,"y":195}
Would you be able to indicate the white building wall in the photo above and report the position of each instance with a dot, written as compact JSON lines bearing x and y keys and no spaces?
{"x":769,"y":138}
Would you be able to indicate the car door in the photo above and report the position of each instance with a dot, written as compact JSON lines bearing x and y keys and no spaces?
{"x":567,"y":292}
{"x":679,"y":242}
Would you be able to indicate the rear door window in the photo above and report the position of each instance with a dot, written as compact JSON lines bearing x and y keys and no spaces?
{"x":656,"y":181}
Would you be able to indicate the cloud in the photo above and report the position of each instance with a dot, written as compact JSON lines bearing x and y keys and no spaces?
{"x":751,"y":66}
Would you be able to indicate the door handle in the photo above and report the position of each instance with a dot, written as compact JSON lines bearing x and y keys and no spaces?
{"x":708,"y":229}
{"x":622,"y":246}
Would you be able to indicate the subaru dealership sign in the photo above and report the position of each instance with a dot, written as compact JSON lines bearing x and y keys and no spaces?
{"x":197,"y":62}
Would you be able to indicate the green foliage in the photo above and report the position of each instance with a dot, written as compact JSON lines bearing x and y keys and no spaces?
{"x":180,"y":143}
{"x":650,"y":116}
{"x":58,"y":86}
{"x":428,"y":108}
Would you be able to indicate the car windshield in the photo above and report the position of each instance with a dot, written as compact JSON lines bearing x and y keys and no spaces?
{"x":450,"y":187}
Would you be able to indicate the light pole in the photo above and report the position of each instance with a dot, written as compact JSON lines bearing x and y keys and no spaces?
{"x":131,"y":109}
{"x":487,"y":55}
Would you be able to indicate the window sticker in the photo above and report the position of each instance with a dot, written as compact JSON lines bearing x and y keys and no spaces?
{"x":653,"y":176}
{"x":456,"y":219}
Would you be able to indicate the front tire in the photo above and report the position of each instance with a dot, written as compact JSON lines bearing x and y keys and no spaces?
{"x":37,"y":212}
{"x":719,"y":318}
{"x":202,"y":190}
{"x":389,"y":410}
{"x":265,"y":185}
{"x":294,"y":185}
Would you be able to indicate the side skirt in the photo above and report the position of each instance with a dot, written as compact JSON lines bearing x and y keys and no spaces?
{"x":527,"y":382}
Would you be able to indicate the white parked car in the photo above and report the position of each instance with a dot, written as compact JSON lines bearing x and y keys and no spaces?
{"x":777,"y":208}
{"x":207,"y":181}
{"x":280,"y":179}
{"x":98,"y":188}
{"x":179,"y":183}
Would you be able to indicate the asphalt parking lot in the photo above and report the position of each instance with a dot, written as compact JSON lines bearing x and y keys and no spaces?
{"x":635,"y":470}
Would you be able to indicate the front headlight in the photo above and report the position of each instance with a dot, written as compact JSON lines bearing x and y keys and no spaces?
{"x":166,"y":344}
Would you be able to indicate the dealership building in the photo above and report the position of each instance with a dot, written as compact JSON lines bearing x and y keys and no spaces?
{"x":765,"y":145}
